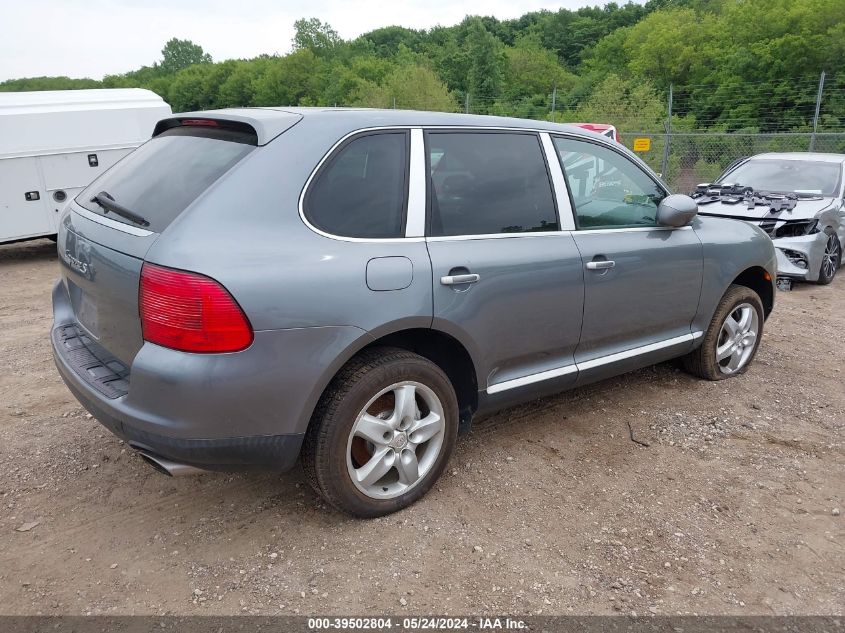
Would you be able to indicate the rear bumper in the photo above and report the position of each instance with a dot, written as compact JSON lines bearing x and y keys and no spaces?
{"x":258,"y":452}
{"x":242,"y":411}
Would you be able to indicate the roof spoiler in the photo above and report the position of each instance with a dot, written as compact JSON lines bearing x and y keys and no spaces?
{"x":264,"y":124}
{"x":208,"y":126}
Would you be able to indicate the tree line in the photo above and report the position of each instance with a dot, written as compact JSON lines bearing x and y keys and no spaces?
{"x":734,"y":65}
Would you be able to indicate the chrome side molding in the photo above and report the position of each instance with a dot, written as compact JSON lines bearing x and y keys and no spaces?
{"x":532,"y":378}
{"x":591,"y":364}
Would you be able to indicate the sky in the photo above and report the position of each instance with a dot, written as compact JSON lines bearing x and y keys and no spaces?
{"x":92,"y":38}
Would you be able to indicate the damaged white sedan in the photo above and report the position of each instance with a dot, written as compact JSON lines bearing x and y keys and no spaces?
{"x":797,"y":198}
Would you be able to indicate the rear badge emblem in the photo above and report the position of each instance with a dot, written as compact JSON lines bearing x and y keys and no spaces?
{"x":78,"y":266}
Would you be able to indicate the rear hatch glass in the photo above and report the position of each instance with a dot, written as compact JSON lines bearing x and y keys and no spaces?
{"x":166,"y":174}
{"x":101,"y":266}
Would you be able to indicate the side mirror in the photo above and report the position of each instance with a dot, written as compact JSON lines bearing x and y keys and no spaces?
{"x":676,"y":210}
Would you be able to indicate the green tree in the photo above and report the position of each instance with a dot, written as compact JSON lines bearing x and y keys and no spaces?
{"x":345,"y":82}
{"x":570,"y":34}
{"x":47,"y":83}
{"x":189,"y":89}
{"x":532,"y":70}
{"x":179,"y":54}
{"x":486,"y":57}
{"x":630,"y":105}
{"x":386,"y":41}
{"x":448,"y":56}
{"x":296,"y":79}
{"x":666,"y":46}
{"x":238,"y":89}
{"x":315,"y":36}
{"x":413,"y":87}
{"x":734,"y":65}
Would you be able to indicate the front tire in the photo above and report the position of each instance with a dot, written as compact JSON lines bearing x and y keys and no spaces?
{"x":732,"y":338}
{"x":830,"y":260}
{"x":382,"y":433}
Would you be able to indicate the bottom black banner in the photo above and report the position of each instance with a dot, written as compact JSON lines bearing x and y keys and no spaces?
{"x":548,"y":624}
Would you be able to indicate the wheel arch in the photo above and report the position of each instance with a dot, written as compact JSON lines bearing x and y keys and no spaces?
{"x":759,"y":280}
{"x":840,"y":235}
{"x":441,"y":348}
{"x":448,"y":353}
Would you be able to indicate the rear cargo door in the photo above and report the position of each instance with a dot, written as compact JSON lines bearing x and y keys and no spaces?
{"x":102,"y":250}
{"x":101,"y":281}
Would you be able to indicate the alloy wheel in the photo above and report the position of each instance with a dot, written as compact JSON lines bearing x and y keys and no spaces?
{"x":737,"y":338}
{"x":830,"y":259}
{"x":395,"y":440}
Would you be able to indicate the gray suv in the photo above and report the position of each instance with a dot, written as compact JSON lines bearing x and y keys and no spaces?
{"x":354,"y":286}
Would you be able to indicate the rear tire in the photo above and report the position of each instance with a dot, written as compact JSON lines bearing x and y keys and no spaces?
{"x":382,"y":433}
{"x":830,"y":260}
{"x":730,"y":343}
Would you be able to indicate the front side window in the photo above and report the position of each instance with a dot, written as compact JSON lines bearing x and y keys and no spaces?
{"x":362,"y":189}
{"x":485,"y":183}
{"x":608,"y":190}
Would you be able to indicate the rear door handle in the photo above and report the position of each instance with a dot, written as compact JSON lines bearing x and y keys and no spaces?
{"x":452,"y":280}
{"x":601,"y":265}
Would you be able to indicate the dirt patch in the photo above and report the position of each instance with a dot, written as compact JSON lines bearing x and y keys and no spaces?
{"x":547,"y":508}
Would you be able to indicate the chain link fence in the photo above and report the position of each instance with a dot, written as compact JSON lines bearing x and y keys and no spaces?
{"x":685,"y":147}
{"x":702,"y":156}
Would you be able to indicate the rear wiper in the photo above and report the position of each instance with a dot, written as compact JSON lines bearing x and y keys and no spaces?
{"x":107,"y":201}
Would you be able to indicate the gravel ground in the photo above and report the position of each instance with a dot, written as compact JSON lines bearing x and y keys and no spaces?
{"x":549,"y":508}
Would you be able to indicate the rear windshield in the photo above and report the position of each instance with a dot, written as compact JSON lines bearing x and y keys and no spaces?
{"x":786,"y":176}
{"x":167,"y":173}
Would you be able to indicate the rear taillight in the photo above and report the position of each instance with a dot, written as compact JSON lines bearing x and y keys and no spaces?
{"x":190,"y":312}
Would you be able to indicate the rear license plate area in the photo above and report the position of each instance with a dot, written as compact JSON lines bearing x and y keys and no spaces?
{"x":84,"y":308}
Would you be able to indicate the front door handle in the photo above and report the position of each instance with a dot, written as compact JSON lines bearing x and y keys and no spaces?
{"x":603,"y":264}
{"x":453,"y":280}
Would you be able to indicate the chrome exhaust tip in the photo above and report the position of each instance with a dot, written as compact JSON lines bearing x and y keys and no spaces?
{"x":166,"y":467}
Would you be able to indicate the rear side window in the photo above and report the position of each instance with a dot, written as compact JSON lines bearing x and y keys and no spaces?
{"x":167,"y":173}
{"x":484,"y":183}
{"x":361,"y":190}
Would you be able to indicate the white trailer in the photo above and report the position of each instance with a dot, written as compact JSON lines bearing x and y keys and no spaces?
{"x":54,"y":143}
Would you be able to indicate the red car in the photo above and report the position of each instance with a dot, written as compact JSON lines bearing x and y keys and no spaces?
{"x":601,"y":128}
